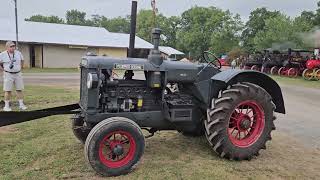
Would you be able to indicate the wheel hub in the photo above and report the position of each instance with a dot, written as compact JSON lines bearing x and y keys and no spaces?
{"x":118,"y":150}
{"x":245,"y":124}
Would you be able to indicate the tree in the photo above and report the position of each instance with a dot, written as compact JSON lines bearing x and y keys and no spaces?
{"x":203,"y":28}
{"x":118,"y":24}
{"x":47,"y":19}
{"x":278,"y":30}
{"x":145,"y":23}
{"x":75,"y":17}
{"x":170,"y":27}
{"x":255,"y":24}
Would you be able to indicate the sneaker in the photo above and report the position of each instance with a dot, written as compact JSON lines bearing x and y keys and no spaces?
{"x":23,"y":107}
{"x":7,"y":109}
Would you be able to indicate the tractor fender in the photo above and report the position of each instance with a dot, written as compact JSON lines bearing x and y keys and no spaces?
{"x":223,"y":79}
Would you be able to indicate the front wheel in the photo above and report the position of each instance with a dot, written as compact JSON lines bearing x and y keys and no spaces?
{"x":240,"y":122}
{"x":114,"y":146}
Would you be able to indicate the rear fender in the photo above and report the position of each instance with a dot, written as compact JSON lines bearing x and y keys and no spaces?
{"x":211,"y":88}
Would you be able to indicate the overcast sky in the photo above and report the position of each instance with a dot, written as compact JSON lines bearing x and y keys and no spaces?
{"x":113,"y":8}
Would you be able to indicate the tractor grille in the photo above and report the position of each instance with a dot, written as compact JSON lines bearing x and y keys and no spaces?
{"x":83,"y":88}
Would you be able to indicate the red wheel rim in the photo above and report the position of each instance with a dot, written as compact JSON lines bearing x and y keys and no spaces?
{"x":292,"y":72}
{"x":110,"y":148}
{"x":274,"y":70}
{"x":246,"y":124}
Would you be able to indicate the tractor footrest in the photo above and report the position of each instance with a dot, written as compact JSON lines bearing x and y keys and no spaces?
{"x":178,"y":115}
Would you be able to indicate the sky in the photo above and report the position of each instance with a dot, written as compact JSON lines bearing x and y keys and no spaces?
{"x":114,"y":8}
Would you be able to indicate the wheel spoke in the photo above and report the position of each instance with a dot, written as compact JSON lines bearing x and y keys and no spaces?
{"x":233,"y":130}
{"x":249,"y":112}
{"x":248,"y":132}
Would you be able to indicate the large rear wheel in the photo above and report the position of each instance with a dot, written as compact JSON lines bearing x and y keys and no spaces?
{"x":317,"y":74}
{"x":255,"y":68}
{"x":307,"y":74}
{"x":240,"y":122}
{"x":292,"y":73}
{"x":282,"y":71}
{"x":274,"y":70}
{"x":114,"y":146}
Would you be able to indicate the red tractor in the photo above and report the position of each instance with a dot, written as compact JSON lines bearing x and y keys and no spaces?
{"x":312,"y":72}
{"x":295,"y":63}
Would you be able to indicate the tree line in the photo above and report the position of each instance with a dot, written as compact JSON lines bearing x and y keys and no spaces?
{"x":208,"y":28}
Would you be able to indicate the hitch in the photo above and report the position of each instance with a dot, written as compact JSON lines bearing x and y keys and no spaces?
{"x":15,"y":117}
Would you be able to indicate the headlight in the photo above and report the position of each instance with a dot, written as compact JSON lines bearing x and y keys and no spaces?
{"x":92,"y":80}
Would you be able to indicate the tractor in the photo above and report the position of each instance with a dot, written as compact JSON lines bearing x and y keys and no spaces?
{"x":233,"y":109}
{"x":254,"y":62}
{"x":273,"y":60}
{"x":295,"y":63}
{"x":312,"y":71}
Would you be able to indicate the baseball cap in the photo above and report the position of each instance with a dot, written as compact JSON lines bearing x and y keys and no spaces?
{"x":10,"y":43}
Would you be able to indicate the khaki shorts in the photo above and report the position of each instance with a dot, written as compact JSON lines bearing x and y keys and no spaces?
{"x":10,"y":80}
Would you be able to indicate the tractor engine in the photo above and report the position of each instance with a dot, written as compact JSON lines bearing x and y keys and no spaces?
{"x":129,"y":96}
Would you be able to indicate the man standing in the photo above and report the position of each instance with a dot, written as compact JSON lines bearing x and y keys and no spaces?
{"x":11,"y":63}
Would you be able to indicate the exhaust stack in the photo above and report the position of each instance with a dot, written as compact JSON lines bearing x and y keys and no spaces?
{"x":133,"y":28}
{"x":155,"y":55}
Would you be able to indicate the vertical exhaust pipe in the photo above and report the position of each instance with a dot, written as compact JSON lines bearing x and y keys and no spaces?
{"x":155,"y":55}
{"x":133,"y":28}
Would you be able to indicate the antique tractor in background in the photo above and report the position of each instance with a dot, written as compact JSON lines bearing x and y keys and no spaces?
{"x":295,"y":63}
{"x":234,"y":109}
{"x":272,"y":62}
{"x":254,"y":62}
{"x":312,"y":71}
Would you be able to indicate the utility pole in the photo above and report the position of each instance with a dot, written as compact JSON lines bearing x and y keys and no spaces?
{"x":154,"y":9}
{"x":16,"y":16}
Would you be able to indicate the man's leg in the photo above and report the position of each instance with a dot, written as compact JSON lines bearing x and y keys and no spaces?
{"x":19,"y":87}
{"x":7,"y":88}
{"x":7,"y":97}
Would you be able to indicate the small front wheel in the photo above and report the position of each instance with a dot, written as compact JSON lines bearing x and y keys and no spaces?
{"x":114,"y":146}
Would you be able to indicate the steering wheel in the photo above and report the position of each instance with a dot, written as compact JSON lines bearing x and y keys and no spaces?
{"x":212,"y":59}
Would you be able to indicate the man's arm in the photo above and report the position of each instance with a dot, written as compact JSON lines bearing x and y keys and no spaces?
{"x":1,"y":63}
{"x":22,"y":64}
{"x":22,"y":60}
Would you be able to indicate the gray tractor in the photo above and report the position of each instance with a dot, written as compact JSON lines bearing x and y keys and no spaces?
{"x":233,"y":109}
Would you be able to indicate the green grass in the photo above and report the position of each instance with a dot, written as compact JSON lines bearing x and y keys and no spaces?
{"x":47,"y":149}
{"x":50,"y":70}
{"x":299,"y":81}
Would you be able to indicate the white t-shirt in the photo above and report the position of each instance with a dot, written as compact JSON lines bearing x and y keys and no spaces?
{"x":15,"y":59}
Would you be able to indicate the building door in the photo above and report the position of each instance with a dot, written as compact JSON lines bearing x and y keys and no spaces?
{"x":36,"y":55}
{"x":32,"y":56}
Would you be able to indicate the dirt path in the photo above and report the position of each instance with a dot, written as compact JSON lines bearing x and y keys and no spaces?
{"x":302,"y":121}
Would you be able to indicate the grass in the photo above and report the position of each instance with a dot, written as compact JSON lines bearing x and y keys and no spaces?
{"x":47,"y":149}
{"x":50,"y":70}
{"x":299,"y":81}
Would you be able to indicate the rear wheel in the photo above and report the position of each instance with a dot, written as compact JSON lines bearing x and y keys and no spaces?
{"x":255,"y":68}
{"x":265,"y":70}
{"x":308,"y":74}
{"x":241,"y":121}
{"x":282,"y":71}
{"x":114,"y":146}
{"x":274,"y":70}
{"x":317,"y":74}
{"x":292,"y":72}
